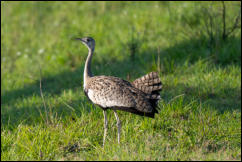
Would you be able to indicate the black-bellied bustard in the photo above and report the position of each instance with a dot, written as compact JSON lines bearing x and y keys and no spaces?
{"x":139,"y":97}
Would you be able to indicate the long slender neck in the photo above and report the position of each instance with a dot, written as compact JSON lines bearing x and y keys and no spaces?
{"x":87,"y":69}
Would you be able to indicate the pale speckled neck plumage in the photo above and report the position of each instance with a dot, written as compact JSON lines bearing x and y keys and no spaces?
{"x":87,"y":69}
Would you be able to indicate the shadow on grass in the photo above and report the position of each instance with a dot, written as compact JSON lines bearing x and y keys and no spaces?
{"x":145,"y":61}
{"x":229,"y":100}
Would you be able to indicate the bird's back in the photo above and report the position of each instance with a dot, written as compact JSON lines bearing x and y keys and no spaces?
{"x":116,"y":93}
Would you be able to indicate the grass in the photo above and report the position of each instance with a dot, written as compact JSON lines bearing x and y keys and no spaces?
{"x":199,"y":116}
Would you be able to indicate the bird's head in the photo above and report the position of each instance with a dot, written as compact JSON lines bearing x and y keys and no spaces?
{"x":88,"y":41}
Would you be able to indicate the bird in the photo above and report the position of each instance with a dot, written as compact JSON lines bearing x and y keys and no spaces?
{"x":139,"y":97}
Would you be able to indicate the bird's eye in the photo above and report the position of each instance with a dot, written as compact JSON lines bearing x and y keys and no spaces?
{"x":88,"y":39}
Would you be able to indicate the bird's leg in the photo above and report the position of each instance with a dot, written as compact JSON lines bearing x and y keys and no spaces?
{"x":105,"y":126}
{"x":118,"y":124}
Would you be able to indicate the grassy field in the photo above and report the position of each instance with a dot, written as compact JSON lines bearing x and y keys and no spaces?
{"x":200,"y":111}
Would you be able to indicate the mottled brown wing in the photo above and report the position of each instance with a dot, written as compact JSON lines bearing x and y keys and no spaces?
{"x":109,"y":92}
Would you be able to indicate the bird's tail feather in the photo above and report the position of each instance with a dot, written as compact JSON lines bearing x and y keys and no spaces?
{"x":148,"y":83}
{"x":151,"y":85}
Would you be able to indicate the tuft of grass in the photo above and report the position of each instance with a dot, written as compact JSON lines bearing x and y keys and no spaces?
{"x":200,"y":110}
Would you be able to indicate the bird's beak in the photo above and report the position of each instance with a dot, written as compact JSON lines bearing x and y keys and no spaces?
{"x":79,"y":39}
